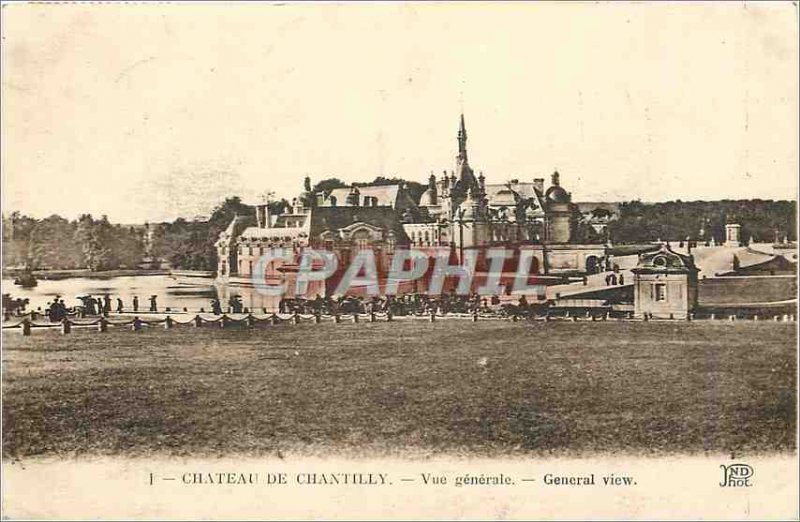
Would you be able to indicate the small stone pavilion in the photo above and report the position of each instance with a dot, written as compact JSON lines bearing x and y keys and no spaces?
{"x":665,"y":285}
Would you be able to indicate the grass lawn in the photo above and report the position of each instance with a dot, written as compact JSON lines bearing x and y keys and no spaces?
{"x":407,"y":387}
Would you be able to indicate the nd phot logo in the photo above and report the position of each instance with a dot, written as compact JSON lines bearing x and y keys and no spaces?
{"x":736,"y":476}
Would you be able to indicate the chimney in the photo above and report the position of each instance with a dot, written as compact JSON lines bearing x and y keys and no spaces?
{"x":538,"y":184}
{"x":262,"y":215}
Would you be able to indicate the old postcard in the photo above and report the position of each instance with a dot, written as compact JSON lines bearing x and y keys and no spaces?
{"x":408,"y":260}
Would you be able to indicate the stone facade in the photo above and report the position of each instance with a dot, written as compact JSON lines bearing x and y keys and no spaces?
{"x":665,"y":285}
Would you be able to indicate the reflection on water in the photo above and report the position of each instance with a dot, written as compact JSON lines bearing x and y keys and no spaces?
{"x":190,"y":293}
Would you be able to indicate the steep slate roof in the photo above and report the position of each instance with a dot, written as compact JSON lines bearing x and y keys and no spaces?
{"x":385,"y":194}
{"x":334,"y":218}
{"x":526,"y":190}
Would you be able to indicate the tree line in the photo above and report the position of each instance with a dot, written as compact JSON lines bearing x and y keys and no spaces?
{"x":57,"y":243}
{"x":762,"y":221}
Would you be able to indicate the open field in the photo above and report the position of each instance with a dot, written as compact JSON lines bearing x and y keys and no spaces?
{"x":408,"y":387}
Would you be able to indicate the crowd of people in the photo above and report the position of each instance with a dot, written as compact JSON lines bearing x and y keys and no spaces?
{"x":410,"y":304}
{"x":105,"y":305}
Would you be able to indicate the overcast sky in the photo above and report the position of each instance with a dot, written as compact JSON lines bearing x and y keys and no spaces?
{"x":150,"y":112}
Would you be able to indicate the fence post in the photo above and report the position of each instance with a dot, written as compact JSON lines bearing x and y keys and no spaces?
{"x":198,"y":321}
{"x":388,"y":316}
{"x":26,"y":327}
{"x":168,"y":323}
{"x":433,"y":317}
{"x":317,"y":318}
{"x":732,"y":318}
{"x":137,"y":324}
{"x":66,"y":326}
{"x":776,"y":318}
{"x":102,"y":325}
{"x":713,"y":316}
{"x":336,"y":318}
{"x":755,"y":317}
{"x":251,"y":321}
{"x":355,"y":317}
{"x":474,"y":317}
{"x":274,"y":319}
{"x":372,"y":317}
{"x":223,"y":321}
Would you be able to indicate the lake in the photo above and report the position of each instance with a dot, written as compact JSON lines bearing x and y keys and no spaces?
{"x":190,"y":293}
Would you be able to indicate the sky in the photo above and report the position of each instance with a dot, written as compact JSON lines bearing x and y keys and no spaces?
{"x":153,"y":112}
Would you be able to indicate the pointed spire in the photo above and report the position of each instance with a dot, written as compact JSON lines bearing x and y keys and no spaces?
{"x":462,"y":140}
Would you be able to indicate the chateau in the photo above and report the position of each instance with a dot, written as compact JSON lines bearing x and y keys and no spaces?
{"x":458,"y":211}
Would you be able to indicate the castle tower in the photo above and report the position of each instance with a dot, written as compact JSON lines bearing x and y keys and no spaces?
{"x":465,"y":177}
{"x":462,"y":141}
{"x":560,"y":212}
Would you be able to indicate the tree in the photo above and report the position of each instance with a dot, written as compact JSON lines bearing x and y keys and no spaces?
{"x":328,"y":184}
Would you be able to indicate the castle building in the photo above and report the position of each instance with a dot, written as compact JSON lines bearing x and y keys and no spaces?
{"x":457,"y":211}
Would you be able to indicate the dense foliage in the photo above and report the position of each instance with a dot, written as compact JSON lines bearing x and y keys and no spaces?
{"x":57,"y":243}
{"x":761,"y":220}
{"x":415,"y":189}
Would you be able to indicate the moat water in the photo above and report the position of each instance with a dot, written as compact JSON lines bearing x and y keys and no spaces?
{"x":174,"y":292}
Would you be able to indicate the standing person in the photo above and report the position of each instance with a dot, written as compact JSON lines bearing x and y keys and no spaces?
{"x":119,"y":305}
{"x":136,"y":303}
{"x":153,"y":305}
{"x":622,"y":279}
{"x":613,"y":279}
{"x":106,"y":304}
{"x":216,"y":309}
